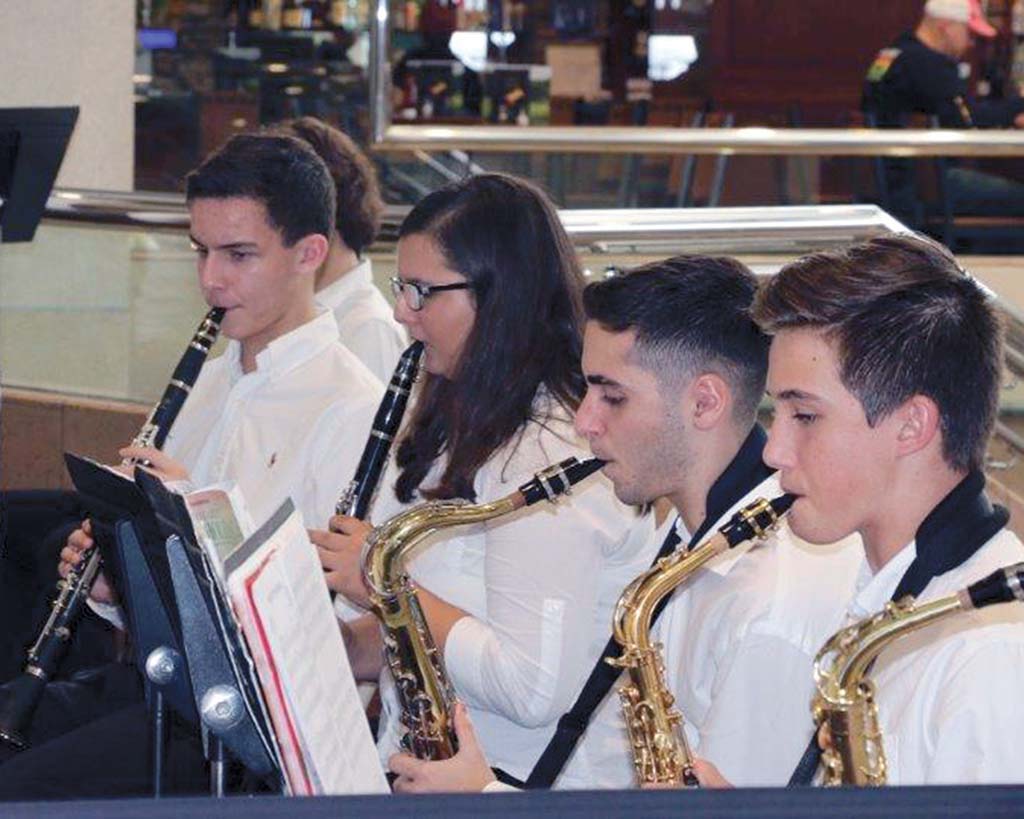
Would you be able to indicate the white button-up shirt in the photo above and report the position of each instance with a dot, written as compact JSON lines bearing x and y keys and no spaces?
{"x":295,"y":426}
{"x":739,"y":638}
{"x":949,"y":694}
{"x":365,"y":320}
{"x":539,"y":586}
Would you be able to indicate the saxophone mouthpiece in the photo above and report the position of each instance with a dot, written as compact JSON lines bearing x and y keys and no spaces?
{"x":756,"y":519}
{"x":1002,"y":586}
{"x":558,"y":479}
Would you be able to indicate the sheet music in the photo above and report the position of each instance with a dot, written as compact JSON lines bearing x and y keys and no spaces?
{"x":220,"y":520}
{"x":277,"y":585}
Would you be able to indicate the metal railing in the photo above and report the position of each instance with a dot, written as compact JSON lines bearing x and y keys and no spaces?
{"x":786,"y":230}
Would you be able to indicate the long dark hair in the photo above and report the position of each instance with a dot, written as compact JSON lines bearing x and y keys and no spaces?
{"x":504,"y":236}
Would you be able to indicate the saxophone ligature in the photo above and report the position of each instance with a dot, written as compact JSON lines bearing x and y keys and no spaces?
{"x":46,"y":653}
{"x":654,"y":725}
{"x":424,"y":689}
{"x":844,"y":707}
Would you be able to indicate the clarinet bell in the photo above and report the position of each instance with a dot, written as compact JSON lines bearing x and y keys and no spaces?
{"x":20,"y":698}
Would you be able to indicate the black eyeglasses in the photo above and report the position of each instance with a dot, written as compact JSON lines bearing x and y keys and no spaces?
{"x":416,"y":294}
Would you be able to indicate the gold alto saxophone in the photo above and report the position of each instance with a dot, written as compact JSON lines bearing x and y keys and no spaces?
{"x":845,"y":709}
{"x":660,"y":750}
{"x":424,"y":690}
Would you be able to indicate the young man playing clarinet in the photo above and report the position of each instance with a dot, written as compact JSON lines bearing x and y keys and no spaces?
{"x":283,"y":412}
{"x":675,"y":370}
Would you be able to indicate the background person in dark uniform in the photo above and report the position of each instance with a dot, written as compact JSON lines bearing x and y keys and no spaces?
{"x":920,"y":73}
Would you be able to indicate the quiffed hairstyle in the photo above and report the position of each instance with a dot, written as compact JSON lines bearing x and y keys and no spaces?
{"x":905,"y":320}
{"x":281,"y":172}
{"x":359,"y":205}
{"x":691,"y":314}
{"x":505,"y":237}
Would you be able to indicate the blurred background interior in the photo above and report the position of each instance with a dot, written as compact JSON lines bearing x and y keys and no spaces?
{"x":94,"y":308}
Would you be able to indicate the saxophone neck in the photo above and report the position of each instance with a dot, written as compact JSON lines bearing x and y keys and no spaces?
{"x":388,"y":545}
{"x":845,"y":660}
{"x":635,"y":609}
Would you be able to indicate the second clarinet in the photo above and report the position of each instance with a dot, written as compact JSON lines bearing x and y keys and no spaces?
{"x":357,"y":498}
{"x":50,"y":646}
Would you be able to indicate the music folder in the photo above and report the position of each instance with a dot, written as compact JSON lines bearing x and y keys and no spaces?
{"x":109,"y":497}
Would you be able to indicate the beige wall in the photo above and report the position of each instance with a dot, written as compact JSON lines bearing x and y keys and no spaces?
{"x":76,"y":52}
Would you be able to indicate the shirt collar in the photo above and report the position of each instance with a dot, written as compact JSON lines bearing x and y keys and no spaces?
{"x":287,"y":351}
{"x":960,"y":524}
{"x":338,"y":291}
{"x":874,"y":589}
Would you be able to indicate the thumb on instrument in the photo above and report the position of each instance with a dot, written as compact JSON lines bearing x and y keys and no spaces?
{"x":464,"y":730}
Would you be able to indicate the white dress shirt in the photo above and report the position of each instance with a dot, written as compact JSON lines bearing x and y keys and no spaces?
{"x":539,"y":585}
{"x":365,"y":320}
{"x":739,"y":638}
{"x":949,"y":694}
{"x":295,"y":426}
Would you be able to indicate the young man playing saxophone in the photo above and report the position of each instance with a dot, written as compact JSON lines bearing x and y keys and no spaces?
{"x":675,"y":370}
{"x":885,"y":369}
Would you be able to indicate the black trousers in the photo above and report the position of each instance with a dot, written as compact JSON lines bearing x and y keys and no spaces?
{"x":105,"y":758}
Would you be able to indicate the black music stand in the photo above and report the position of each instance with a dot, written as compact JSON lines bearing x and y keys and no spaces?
{"x":225,"y":688}
{"x":130,"y":541}
{"x":32,"y":146}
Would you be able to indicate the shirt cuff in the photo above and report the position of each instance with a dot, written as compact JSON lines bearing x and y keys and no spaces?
{"x":346,"y":610}
{"x":499,"y":787}
{"x":110,"y":612}
{"x":464,"y":654}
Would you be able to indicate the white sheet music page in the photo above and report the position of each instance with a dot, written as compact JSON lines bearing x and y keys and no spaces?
{"x":278,"y":590}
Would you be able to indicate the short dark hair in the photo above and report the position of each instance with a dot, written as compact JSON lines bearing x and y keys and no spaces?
{"x":359,"y":205}
{"x":281,"y":172}
{"x":504,"y":235}
{"x":906,"y":320}
{"x":691,"y":314}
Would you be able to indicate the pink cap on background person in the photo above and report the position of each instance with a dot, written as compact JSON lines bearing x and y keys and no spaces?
{"x":962,"y":11}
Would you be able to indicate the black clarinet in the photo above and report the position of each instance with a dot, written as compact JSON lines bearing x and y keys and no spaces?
{"x":357,"y":498}
{"x":50,"y":646}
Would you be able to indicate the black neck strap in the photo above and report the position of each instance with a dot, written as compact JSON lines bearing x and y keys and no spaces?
{"x":963,"y":522}
{"x":741,"y":476}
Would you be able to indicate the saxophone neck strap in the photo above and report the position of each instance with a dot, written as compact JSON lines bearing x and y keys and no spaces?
{"x":745,"y":472}
{"x":963,"y":522}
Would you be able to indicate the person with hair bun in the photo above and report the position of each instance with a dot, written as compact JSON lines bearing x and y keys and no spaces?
{"x":344,"y":283}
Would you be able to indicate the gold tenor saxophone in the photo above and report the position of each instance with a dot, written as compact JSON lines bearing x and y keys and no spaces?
{"x":845,"y":709}
{"x":660,"y":751}
{"x":424,"y":690}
